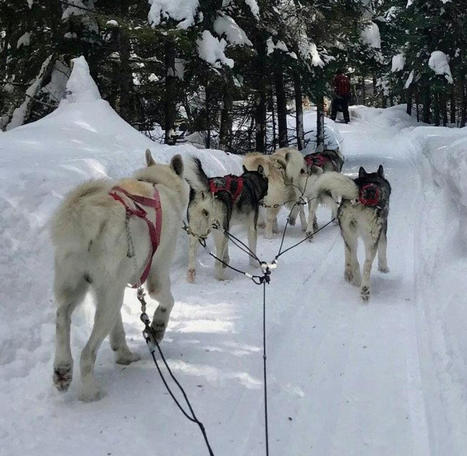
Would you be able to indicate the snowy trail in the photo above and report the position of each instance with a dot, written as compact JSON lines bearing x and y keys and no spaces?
{"x":345,"y":378}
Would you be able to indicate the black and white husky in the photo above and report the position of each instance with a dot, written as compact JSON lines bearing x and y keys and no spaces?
{"x":222,"y":201}
{"x":363,"y":212}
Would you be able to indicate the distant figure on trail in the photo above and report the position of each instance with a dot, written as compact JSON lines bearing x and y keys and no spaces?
{"x":340,"y":101}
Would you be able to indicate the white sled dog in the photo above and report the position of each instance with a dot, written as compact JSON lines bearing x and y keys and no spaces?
{"x":101,"y":243}
{"x":282,"y":169}
{"x":363,"y":212}
{"x":316,"y":164}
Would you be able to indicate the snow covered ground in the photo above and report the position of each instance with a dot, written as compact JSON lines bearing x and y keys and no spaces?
{"x":345,"y":378}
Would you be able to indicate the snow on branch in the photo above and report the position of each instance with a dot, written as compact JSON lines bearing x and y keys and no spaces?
{"x":225,"y":25}
{"x":398,"y":63}
{"x":182,"y":11}
{"x":211,"y":50}
{"x":439,"y":63}
{"x":370,"y":36}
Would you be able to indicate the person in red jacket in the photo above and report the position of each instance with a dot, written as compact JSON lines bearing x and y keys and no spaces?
{"x":340,"y":101}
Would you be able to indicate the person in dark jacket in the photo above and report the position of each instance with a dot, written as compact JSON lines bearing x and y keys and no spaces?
{"x":341,"y":97}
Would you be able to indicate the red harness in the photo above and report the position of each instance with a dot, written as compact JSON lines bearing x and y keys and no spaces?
{"x":317,"y":160}
{"x":154,"y":231}
{"x":224,"y":184}
{"x":370,"y":202}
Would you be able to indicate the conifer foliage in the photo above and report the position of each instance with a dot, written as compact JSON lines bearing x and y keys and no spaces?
{"x":227,"y":73}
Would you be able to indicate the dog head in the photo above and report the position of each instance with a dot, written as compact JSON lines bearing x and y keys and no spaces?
{"x":259,"y":180}
{"x":373,"y":185}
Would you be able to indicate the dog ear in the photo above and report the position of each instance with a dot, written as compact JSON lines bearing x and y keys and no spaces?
{"x":203,"y":195}
{"x":287,"y":156}
{"x":362,"y":172}
{"x":177,"y":165}
{"x":380,"y":171}
{"x":316,"y":170}
{"x":149,"y":160}
{"x":281,"y":163}
{"x":244,"y":169}
{"x":261,"y":170}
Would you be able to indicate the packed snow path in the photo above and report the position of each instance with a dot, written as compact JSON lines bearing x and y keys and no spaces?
{"x":345,"y":378}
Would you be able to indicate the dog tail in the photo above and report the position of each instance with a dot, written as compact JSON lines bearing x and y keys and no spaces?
{"x":337,"y":185}
{"x":195,"y":175}
{"x":76,"y":223}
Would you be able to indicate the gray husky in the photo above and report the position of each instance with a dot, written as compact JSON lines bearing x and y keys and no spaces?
{"x":222,"y":201}
{"x":363,"y":212}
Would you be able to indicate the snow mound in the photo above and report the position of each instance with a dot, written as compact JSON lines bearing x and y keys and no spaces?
{"x":81,"y":88}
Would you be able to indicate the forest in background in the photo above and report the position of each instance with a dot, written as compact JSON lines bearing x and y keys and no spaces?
{"x":227,"y":73}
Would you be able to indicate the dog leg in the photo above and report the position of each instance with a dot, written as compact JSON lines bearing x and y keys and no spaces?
{"x":109,"y":301}
{"x":118,"y":343}
{"x":159,"y":289}
{"x":252,"y":238}
{"x":352,"y":267}
{"x":371,"y":248}
{"x":221,"y":252}
{"x":382,"y":247}
{"x":271,"y":222}
{"x":312,"y":225}
{"x":193,"y":245}
{"x":303,"y":222}
{"x":67,"y":297}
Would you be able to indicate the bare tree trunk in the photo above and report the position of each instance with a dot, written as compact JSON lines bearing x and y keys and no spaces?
{"x":225,"y":134}
{"x":443,"y":108}
{"x":299,"y":111}
{"x":452,"y":106}
{"x":260,"y":111}
{"x":281,"y":105}
{"x":426,"y":115}
{"x":124,"y":76}
{"x":363,"y":90}
{"x":436,"y":109}
{"x":170,"y":107}
{"x":409,"y":100}
{"x":273,"y":118}
{"x":463,"y":95}
{"x":320,"y":124}
{"x":374,"y":90}
{"x":207,"y":93}
{"x":417,"y":103}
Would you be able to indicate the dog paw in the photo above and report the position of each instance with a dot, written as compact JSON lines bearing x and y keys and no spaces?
{"x":384,"y":269}
{"x":63,"y":375}
{"x":126,"y":357}
{"x":348,"y":275}
{"x":291,"y":221}
{"x":159,"y":328}
{"x":90,"y":393}
{"x":191,"y":275}
{"x":365,"y":293}
{"x":309,"y":235}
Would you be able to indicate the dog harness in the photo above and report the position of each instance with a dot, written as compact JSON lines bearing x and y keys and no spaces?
{"x":138,"y":211}
{"x":224,"y":184}
{"x":317,"y":160}
{"x":370,"y":202}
